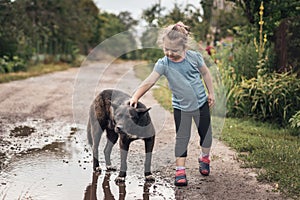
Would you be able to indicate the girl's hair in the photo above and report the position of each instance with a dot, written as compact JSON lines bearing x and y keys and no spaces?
{"x":178,"y":31}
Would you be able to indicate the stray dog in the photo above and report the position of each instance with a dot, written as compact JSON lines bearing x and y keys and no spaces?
{"x":111,"y":111}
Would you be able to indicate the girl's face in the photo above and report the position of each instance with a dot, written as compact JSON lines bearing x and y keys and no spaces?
{"x":174,"y":50}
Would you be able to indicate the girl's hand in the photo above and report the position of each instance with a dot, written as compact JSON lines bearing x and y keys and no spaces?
{"x":133,"y":102}
{"x":211,"y":100}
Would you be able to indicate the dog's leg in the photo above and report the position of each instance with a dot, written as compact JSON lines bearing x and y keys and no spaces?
{"x":96,"y":133}
{"x":149,"y":144}
{"x":89,"y":133}
{"x":112,"y":138}
{"x":124,"y":147}
{"x":96,"y":140}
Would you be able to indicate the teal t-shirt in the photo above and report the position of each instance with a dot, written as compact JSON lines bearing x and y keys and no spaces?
{"x":185,"y":81}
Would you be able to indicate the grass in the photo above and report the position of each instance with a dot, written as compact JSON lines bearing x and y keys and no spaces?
{"x":34,"y":70}
{"x":272,"y":150}
{"x":266,"y":147}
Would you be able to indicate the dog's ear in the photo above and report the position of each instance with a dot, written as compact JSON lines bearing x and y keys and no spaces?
{"x":136,"y":113}
{"x":142,"y":111}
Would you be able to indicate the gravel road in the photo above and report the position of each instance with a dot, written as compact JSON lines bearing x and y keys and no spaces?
{"x":43,"y":151}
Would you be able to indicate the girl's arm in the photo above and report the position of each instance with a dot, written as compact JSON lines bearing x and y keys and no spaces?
{"x":209,"y":84}
{"x":144,"y":87}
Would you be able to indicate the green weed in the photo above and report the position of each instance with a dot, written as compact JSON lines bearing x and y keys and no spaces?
{"x":34,"y":70}
{"x":273,"y":150}
{"x":265,"y":146}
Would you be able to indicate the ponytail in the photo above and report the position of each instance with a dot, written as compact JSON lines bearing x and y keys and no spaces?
{"x":180,"y":27}
{"x":178,"y":32}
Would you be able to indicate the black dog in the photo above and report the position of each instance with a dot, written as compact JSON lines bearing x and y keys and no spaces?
{"x":111,"y":111}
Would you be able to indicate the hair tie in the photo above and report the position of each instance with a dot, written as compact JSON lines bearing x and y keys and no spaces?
{"x":186,"y":29}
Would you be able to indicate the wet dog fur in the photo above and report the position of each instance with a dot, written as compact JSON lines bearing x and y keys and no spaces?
{"x":111,"y":112}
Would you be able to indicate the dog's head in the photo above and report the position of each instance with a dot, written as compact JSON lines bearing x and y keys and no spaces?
{"x":131,"y":121}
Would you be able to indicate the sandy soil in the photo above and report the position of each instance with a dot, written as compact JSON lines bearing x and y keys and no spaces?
{"x":65,"y":97}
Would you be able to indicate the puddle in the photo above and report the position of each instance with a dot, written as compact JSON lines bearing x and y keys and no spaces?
{"x":30,"y":135}
{"x":21,"y":131}
{"x":104,"y":187}
{"x":53,"y":162}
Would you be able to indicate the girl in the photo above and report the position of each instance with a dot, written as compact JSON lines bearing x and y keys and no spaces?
{"x":184,"y":69}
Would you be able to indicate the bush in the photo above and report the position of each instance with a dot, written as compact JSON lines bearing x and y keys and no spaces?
{"x":295,"y":122}
{"x":15,"y":64}
{"x":245,"y":59}
{"x":273,"y":97}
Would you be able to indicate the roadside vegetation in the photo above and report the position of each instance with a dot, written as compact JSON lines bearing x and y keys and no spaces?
{"x":272,"y":150}
{"x":32,"y":71}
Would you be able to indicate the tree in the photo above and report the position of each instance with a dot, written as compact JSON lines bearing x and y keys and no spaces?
{"x":152,"y":15}
{"x":9,"y":30}
{"x":280,"y":26}
{"x":127,"y":20}
{"x":274,"y":12}
{"x":52,"y":27}
{"x":207,"y":6}
{"x":111,"y":25}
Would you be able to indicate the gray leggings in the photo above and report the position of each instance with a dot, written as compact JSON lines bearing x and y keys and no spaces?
{"x":183,"y":123}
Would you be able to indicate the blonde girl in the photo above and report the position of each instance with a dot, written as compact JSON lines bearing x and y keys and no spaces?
{"x":184,"y":70}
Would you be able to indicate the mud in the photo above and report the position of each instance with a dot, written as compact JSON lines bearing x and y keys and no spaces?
{"x":44,"y":153}
{"x":21,"y":131}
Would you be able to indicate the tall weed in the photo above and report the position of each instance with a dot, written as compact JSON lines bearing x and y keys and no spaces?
{"x":272,"y":97}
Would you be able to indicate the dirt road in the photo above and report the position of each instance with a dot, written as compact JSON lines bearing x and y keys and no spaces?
{"x":43,"y":145}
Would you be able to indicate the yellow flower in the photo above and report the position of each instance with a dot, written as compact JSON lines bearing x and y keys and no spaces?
{"x":265,"y":38}
{"x":261,"y":6}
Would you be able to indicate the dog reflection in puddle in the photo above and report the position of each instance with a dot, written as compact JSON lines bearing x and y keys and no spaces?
{"x":91,"y":189}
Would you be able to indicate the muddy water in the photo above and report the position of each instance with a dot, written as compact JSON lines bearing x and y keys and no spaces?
{"x":51,"y":160}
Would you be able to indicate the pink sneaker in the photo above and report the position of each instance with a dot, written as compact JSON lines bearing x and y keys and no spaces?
{"x":204,"y":168}
{"x":180,"y":178}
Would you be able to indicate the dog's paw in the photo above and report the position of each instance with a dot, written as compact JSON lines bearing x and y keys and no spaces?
{"x":97,"y":169}
{"x":119,"y":180}
{"x":96,"y":174}
{"x":149,"y":178}
{"x":111,"y":168}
